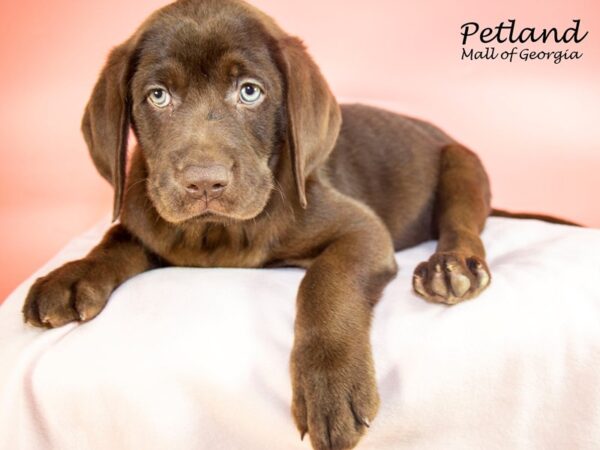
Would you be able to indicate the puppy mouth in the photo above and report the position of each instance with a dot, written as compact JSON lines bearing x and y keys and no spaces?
{"x":211,"y":216}
{"x":197,"y":210}
{"x":207,"y":209}
{"x":207,"y":213}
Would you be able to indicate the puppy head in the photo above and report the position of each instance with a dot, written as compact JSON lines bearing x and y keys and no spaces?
{"x":215,"y":93}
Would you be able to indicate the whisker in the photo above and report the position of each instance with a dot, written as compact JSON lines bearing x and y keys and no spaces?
{"x":135,"y":183}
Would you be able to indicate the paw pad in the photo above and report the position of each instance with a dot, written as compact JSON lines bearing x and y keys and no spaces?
{"x":450,"y":278}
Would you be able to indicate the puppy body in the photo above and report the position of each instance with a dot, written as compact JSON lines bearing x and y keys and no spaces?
{"x":289,"y":178}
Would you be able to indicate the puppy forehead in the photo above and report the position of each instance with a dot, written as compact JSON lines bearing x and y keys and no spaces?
{"x":192,"y":49}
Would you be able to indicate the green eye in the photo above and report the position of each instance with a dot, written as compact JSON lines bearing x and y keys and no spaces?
{"x":159,"y":98}
{"x":250,"y":93}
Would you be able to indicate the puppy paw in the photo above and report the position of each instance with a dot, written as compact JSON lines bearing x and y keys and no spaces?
{"x":451,"y":278}
{"x":334,"y":405}
{"x":77,"y":291}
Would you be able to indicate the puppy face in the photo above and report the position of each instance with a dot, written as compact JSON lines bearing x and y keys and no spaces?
{"x":214,"y":91}
{"x":207,"y":112}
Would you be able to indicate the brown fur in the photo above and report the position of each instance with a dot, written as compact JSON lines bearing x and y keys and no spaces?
{"x":333,"y":189}
{"x":534,"y":216}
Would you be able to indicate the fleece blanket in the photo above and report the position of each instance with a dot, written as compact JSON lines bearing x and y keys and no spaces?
{"x":186,"y":358}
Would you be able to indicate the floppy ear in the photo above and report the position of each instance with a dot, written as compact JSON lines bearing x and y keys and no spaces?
{"x":313,"y":115}
{"x":106,"y":120}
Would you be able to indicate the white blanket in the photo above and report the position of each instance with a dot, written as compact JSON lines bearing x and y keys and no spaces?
{"x":198,"y":358}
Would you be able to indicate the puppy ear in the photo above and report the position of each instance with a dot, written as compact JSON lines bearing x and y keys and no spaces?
{"x":313,"y":115}
{"x":105,"y":123}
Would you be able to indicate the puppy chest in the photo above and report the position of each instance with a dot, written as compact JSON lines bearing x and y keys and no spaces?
{"x":217,"y":248}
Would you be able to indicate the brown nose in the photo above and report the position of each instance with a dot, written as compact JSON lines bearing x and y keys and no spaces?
{"x":205,"y":182}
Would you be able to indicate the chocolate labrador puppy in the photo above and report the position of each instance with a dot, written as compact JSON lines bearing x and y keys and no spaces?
{"x":245,"y":159}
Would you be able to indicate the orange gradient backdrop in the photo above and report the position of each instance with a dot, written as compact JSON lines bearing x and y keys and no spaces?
{"x":535,"y":124}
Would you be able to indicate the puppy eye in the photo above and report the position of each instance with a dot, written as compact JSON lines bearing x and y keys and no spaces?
{"x":159,"y":98}
{"x":250,"y":93}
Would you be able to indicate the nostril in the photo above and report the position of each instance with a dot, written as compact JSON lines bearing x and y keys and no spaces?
{"x":218,"y":187}
{"x":204,"y":182}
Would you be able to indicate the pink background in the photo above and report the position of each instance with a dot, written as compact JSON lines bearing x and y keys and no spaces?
{"x":535,"y":124}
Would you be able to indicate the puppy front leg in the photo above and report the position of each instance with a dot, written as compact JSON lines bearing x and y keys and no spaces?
{"x":79,"y":290}
{"x":457,"y":270}
{"x":333,"y":378}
